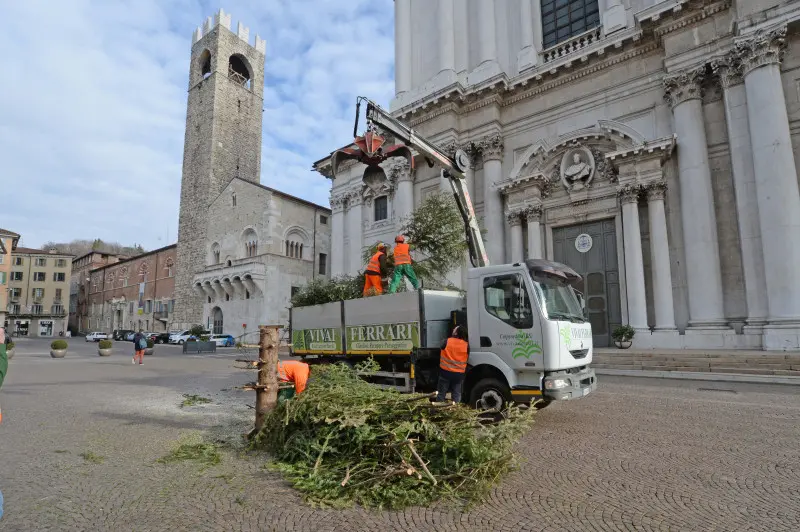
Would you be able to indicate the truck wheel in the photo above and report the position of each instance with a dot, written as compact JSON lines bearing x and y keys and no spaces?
{"x":489,"y":394}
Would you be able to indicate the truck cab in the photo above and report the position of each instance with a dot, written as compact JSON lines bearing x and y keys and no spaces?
{"x":529,"y":337}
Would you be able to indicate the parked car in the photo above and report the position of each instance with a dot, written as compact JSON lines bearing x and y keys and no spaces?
{"x":159,"y":338}
{"x":183,"y":336}
{"x":223,"y":340}
{"x":129,"y":336}
{"x":120,"y":334}
{"x":96,"y":336}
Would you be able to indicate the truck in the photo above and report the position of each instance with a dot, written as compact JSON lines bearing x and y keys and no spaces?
{"x":529,"y":336}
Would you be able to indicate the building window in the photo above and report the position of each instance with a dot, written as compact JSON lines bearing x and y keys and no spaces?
{"x":381,"y":208}
{"x":37,"y":309}
{"x":323,"y":263}
{"x":169,"y":264}
{"x":17,"y":261}
{"x":171,"y":305}
{"x":41,"y":261}
{"x":130,"y":308}
{"x":238,"y":71}
{"x":2,"y":257}
{"x":247,"y":294}
{"x":16,"y":276}
{"x":148,"y":306}
{"x":58,"y":294}
{"x":39,"y":277}
{"x":61,"y":263}
{"x":59,"y":277}
{"x":209,"y":299}
{"x":251,"y":249}
{"x":295,"y":289}
{"x":233,"y":199}
{"x":250,"y":241}
{"x":323,"y":219}
{"x":57,"y":309}
{"x":227,"y":297}
{"x":564,"y":19}
{"x":124,"y":282}
{"x":16,"y":292}
{"x":14,"y":309}
{"x":37,"y":293}
{"x":2,"y":278}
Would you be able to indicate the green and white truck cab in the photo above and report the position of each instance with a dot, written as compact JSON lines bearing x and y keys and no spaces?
{"x":528,"y":336}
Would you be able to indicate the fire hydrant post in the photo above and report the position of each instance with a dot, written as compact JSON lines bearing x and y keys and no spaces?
{"x":267,"y":388}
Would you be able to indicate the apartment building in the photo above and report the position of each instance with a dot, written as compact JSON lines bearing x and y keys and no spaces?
{"x":136,"y":293}
{"x":79,"y":286}
{"x":8,"y":243}
{"x":38,"y":291}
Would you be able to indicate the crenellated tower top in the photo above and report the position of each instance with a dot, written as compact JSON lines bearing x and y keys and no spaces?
{"x":224,"y":19}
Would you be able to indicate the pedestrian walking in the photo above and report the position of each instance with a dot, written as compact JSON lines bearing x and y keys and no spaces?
{"x":139,"y":345}
{"x":453,"y":365}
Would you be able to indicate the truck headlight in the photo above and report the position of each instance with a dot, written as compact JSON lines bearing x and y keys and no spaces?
{"x":556,"y":384}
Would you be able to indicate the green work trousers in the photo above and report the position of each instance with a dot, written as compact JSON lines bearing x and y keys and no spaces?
{"x":400,"y":271}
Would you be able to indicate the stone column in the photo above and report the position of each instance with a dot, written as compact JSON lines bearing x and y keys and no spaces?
{"x":659,"y":258}
{"x":776,"y":178}
{"x":704,"y":276}
{"x":528,"y":55}
{"x":515,"y":221}
{"x":404,"y":193}
{"x":614,"y":18}
{"x":402,"y":46}
{"x":487,"y":37}
{"x":534,"y":216}
{"x":354,"y":202}
{"x":492,"y":150}
{"x":447,"y":37}
{"x":337,"y":235}
{"x":744,"y":180}
{"x":634,"y":265}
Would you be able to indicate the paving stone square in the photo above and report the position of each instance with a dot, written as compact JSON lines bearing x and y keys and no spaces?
{"x":81,"y":437}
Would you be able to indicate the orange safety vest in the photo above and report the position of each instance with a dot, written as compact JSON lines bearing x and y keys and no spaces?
{"x":402,"y":254}
{"x":375,"y":263}
{"x":454,"y":356}
{"x":295,"y":372}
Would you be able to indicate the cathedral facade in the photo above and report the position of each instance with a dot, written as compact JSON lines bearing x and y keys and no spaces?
{"x":648,"y":144}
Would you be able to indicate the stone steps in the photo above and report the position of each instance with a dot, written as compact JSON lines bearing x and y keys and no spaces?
{"x":747,"y":363}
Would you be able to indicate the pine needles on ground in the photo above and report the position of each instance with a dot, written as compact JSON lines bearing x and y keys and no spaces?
{"x":346,"y":441}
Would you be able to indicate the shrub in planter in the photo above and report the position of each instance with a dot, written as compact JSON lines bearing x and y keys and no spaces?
{"x":623,"y":336}
{"x":104,"y":348}
{"x":205,"y":338}
{"x":10,"y":350}
{"x":197,"y":330}
{"x":58,"y":348}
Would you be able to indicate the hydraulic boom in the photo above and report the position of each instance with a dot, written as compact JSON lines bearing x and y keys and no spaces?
{"x":453,"y":168}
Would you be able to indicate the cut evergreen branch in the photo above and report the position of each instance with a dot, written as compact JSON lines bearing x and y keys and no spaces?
{"x":192,"y":400}
{"x":89,"y":456}
{"x":204,"y":453}
{"x":344,"y":441}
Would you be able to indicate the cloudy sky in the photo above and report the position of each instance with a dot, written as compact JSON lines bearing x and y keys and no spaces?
{"x":92,"y":115}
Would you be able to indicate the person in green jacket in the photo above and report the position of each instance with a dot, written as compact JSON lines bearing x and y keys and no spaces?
{"x":3,"y":371}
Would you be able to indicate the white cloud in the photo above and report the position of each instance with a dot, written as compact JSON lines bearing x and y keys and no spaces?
{"x":92,"y":115}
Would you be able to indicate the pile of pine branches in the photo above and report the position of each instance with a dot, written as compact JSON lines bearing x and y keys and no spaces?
{"x":346,"y":441}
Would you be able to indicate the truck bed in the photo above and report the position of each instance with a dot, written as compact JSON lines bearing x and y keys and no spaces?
{"x":391,"y":324}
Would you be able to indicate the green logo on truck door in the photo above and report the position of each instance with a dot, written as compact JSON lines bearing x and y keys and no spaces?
{"x":525,"y":347}
{"x":384,"y":337}
{"x":324,"y":340}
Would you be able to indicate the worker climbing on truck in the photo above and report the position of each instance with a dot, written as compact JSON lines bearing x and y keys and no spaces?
{"x":402,"y":265}
{"x":376,"y":271}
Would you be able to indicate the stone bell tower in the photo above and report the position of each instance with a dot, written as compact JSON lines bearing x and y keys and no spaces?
{"x":222,"y":141}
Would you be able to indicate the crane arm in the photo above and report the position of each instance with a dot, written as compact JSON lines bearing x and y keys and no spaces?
{"x":453,"y":168}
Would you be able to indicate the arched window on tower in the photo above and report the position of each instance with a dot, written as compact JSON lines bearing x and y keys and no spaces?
{"x":205,"y":64}
{"x":233,"y":194}
{"x":238,"y":71}
{"x":250,"y":243}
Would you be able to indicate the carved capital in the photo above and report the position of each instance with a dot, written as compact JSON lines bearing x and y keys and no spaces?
{"x":514,"y":218}
{"x":533,"y":213}
{"x":656,"y":191}
{"x":492,"y":148}
{"x":764,"y":48}
{"x":629,"y":193}
{"x":729,"y":69}
{"x":337,"y":202}
{"x":354,"y":199}
{"x":684,"y":86}
{"x":401,"y":171}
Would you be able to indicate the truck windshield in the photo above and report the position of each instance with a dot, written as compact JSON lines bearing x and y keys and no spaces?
{"x":558,"y":299}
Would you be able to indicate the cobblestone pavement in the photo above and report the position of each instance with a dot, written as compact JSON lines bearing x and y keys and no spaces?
{"x":636,"y":455}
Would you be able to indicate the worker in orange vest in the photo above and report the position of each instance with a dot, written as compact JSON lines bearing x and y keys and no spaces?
{"x":295,"y":372}
{"x":453,"y":365}
{"x":376,"y":270}
{"x":402,"y":265}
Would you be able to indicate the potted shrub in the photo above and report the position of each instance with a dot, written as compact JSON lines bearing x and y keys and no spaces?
{"x":149,"y":350}
{"x":104,"y":348}
{"x":623,"y":336}
{"x":10,"y":350}
{"x":58,"y":348}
